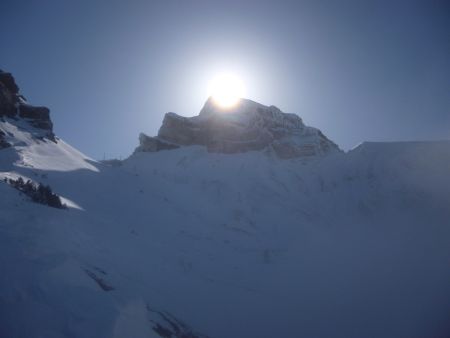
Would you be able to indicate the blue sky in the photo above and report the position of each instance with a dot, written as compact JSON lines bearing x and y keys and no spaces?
{"x":357,"y":70}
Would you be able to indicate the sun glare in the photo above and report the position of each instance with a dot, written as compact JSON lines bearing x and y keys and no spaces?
{"x":226,"y":89}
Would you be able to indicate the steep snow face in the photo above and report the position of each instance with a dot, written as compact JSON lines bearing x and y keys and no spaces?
{"x":30,"y":149}
{"x":247,"y":127}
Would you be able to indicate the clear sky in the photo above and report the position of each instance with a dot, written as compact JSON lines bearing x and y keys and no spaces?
{"x":358,"y":70}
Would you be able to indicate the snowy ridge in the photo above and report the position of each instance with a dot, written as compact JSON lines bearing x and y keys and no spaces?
{"x":40,"y":153}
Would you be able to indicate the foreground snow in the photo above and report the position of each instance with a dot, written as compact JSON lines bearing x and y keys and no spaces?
{"x":242,"y":245}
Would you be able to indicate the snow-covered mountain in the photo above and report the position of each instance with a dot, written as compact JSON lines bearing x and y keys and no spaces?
{"x":247,"y":127}
{"x":208,"y":230}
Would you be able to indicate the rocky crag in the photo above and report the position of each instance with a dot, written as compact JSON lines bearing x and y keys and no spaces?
{"x":14,"y":106}
{"x":248,"y":126}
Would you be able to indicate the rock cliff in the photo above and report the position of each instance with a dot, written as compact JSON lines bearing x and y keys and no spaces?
{"x":248,"y":126}
{"x":14,"y":106}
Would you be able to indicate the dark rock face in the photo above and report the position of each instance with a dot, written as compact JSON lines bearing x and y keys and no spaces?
{"x":8,"y":81}
{"x":8,"y":94}
{"x":3,"y":143}
{"x":152,"y":144}
{"x":39,"y":116}
{"x":32,"y":112}
{"x":14,"y":105}
{"x":247,"y":127}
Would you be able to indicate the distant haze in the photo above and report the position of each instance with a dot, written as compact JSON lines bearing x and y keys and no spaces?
{"x":357,"y":70}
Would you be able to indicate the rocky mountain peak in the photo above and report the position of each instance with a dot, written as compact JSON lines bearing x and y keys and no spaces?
{"x":248,"y":126}
{"x":14,"y":106}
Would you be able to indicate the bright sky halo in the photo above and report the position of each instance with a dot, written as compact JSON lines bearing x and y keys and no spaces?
{"x":226,"y":89}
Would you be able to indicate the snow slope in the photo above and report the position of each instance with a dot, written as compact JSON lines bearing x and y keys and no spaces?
{"x":41,"y":153}
{"x":241,"y":245}
{"x":268,"y":240}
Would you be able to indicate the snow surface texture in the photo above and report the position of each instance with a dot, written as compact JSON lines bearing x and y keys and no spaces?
{"x":190,"y":243}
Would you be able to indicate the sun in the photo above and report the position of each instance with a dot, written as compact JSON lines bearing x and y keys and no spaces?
{"x":226,"y":89}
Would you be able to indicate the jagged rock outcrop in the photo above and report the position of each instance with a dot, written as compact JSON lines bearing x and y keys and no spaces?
{"x":246,"y":127}
{"x":39,"y":117}
{"x":8,"y":95}
{"x":14,"y":106}
{"x":152,"y":144}
{"x":3,"y":143}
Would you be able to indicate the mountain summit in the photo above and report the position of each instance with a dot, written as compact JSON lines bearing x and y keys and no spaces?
{"x":247,"y":126}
